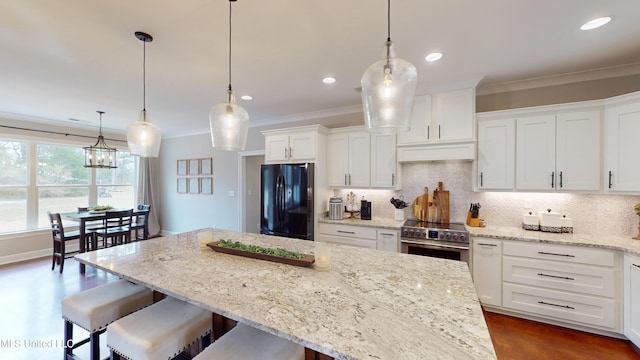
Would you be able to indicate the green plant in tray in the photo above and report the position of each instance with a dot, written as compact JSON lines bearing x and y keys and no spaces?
{"x":260,"y":250}
{"x":101,"y":208}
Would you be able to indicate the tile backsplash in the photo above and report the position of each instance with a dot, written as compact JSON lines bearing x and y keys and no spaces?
{"x":591,"y":214}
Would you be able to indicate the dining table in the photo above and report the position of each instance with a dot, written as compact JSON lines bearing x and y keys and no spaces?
{"x":367,"y":304}
{"x":84,"y":217}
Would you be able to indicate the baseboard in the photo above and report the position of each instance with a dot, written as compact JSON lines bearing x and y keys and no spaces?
{"x":13,"y":258}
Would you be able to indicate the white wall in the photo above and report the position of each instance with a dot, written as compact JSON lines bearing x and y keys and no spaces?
{"x":184,"y":212}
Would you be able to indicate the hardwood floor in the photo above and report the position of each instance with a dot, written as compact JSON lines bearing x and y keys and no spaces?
{"x":517,"y":339}
{"x":31,"y":325}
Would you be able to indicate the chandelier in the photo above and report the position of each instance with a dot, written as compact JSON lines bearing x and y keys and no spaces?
{"x":100,"y":155}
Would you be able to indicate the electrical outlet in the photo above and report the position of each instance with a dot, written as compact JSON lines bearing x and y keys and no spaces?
{"x":528,"y":203}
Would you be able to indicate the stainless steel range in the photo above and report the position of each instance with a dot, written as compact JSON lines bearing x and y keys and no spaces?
{"x":448,"y":241}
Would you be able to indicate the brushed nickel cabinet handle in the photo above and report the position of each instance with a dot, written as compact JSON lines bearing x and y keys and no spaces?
{"x":548,"y":253}
{"x":556,"y":277}
{"x":562,"y":306}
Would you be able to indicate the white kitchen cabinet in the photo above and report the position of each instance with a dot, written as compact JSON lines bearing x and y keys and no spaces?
{"x":632,"y":298}
{"x":558,"y":151}
{"x":292,"y":145}
{"x":358,"y":236}
{"x":348,"y":158}
{"x":487,"y":270}
{"x":420,"y":126}
{"x":535,"y":152}
{"x":622,"y":126}
{"x":496,"y":154}
{"x":568,"y":283}
{"x":384,"y":173}
{"x":447,"y":116}
{"x":388,"y":240}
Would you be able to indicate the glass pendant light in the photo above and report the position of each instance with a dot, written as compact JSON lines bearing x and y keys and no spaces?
{"x":228,"y":121}
{"x":388,"y":88}
{"x":100,"y":155}
{"x":143,"y":136}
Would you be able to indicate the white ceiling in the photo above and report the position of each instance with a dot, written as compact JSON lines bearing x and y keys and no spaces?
{"x":67,"y":59}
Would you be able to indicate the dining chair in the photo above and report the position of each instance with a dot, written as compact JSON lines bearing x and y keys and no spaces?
{"x":60,"y":237}
{"x":116,"y":229}
{"x":140,"y":224}
{"x":90,"y":228}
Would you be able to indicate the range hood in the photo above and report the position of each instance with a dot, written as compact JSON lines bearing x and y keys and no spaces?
{"x":450,"y":150}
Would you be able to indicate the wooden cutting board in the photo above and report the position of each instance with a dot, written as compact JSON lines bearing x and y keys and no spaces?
{"x":421,"y":205}
{"x":441,"y":201}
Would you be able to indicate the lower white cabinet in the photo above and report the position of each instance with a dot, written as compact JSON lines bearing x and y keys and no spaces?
{"x":487,"y":270}
{"x":574,"y":285}
{"x":388,"y":240}
{"x":359,"y":236}
{"x":632,"y":298}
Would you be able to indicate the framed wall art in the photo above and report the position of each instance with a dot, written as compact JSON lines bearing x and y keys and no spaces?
{"x":194,"y":167}
{"x":206,"y":186}
{"x":182,"y":185}
{"x":194,"y":185}
{"x":206,"y":166}
{"x":182,"y":167}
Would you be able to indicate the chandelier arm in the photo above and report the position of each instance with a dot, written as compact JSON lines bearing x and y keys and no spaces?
{"x":230,"y":1}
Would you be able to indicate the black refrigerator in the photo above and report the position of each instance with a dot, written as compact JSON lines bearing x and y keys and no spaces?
{"x":286,"y":202}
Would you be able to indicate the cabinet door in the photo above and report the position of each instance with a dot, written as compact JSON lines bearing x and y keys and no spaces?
{"x":419,"y":131}
{"x":276,"y":148}
{"x":622,"y":126}
{"x":578,"y":151}
{"x":337,"y":159}
{"x":388,"y":240}
{"x":487,"y":270}
{"x":536,"y":152}
{"x":632,"y":298}
{"x":359,"y":159}
{"x":454,"y":114}
{"x":383,"y":161}
{"x":303,"y":146}
{"x":496,"y":154}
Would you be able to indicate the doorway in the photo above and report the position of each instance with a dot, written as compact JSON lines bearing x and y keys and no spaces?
{"x":249,"y":198}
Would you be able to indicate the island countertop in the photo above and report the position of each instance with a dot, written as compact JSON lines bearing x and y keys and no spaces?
{"x":370,"y":305}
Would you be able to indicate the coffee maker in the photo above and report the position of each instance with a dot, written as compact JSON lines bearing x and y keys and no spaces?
{"x":365,"y":210}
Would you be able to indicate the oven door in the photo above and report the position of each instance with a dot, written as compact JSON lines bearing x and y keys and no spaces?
{"x":438,"y":249}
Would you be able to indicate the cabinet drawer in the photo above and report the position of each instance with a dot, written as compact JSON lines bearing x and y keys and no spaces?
{"x":581,"y":309}
{"x":362,"y":243}
{"x":569,"y":254}
{"x":578,"y":278}
{"x":348,"y":231}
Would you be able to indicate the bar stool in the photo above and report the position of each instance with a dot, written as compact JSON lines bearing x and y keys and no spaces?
{"x":160,"y":331}
{"x":95,"y":308}
{"x":244,"y":342}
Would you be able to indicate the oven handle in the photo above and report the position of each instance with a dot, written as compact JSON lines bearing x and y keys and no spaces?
{"x":433,"y":245}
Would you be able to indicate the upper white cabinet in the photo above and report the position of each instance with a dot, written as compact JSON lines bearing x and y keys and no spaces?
{"x":420,"y":128}
{"x":622,"y":146}
{"x":496,"y":154}
{"x":558,"y":151}
{"x":632,"y":298}
{"x":442,"y":128}
{"x":384,"y":166}
{"x":348,"y":158}
{"x":454,"y":112}
{"x":292,"y":145}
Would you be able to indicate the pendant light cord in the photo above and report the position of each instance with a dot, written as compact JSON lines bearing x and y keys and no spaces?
{"x":230,"y":1}
{"x":144,"y":76}
{"x":388,"y":20}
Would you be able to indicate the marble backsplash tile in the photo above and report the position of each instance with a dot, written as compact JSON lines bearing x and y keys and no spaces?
{"x":591,"y":214}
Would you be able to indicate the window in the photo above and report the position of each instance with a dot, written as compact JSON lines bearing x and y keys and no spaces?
{"x":37,"y":177}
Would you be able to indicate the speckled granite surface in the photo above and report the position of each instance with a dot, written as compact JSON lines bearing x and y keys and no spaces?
{"x":370,"y":305}
{"x":601,"y":241}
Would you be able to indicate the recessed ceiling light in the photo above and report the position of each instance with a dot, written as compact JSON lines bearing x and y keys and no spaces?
{"x":433,"y":57}
{"x":246,"y":97}
{"x":329,"y":80}
{"x":595,"y":23}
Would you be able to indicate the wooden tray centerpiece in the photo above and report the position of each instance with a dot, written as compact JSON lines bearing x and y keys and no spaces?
{"x":257,"y":252}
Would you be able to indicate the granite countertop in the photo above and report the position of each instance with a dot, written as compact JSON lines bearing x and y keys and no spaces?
{"x":370,"y":305}
{"x":376,"y":222}
{"x":599,"y":241}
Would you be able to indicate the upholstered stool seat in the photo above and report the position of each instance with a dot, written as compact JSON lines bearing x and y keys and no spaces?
{"x":244,"y":342}
{"x":96,"y":308}
{"x":160,"y":331}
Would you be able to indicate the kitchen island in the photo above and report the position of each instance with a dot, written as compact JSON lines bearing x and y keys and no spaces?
{"x":370,"y":305}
